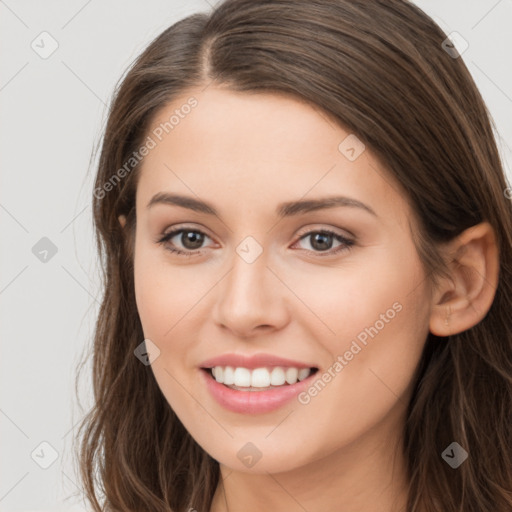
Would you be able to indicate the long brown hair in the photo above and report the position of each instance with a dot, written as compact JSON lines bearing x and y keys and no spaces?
{"x":380,"y":69}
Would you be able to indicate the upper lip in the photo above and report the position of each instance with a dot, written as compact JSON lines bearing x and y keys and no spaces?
{"x":252,"y":362}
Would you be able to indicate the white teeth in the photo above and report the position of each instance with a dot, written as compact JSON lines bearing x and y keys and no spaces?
{"x":292,"y":375}
{"x":277,"y":377}
{"x":259,"y":377}
{"x":304,"y":373}
{"x":229,"y":375}
{"x":242,"y":377}
{"x":219,"y":374}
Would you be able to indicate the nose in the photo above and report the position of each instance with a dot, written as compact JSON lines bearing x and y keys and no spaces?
{"x":250,"y":299}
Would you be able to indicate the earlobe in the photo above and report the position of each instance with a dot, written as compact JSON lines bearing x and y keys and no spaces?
{"x":462,"y":301}
{"x":122,"y":220}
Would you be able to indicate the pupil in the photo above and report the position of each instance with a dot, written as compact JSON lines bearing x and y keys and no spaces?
{"x":322,"y":240}
{"x":192,"y":237}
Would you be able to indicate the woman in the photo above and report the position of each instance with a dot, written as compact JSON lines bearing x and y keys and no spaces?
{"x":306,"y":238}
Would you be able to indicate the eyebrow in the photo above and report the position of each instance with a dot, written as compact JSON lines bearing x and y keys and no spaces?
{"x":287,"y":209}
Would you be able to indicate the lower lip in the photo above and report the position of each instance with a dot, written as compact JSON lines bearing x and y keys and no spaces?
{"x":253,"y":402}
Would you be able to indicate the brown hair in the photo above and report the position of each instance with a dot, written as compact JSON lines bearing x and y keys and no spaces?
{"x":379,"y":68}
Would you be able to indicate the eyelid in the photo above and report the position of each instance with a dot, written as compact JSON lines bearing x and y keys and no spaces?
{"x":179,"y":227}
{"x":345,"y":233}
{"x":303,"y":231}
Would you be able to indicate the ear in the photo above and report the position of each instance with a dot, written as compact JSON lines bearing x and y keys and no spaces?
{"x":462,"y":301}
{"x":122,"y":220}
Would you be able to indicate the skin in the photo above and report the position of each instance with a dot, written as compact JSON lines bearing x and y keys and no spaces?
{"x":245,"y":154}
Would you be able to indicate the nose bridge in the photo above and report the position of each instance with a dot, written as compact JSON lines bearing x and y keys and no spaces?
{"x":250,"y":295}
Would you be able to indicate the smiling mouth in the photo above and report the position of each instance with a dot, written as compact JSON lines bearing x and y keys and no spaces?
{"x":259,"y":379}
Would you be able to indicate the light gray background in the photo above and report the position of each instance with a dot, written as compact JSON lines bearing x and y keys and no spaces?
{"x":52,"y":114}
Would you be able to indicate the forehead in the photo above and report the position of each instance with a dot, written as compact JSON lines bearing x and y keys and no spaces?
{"x":259,"y":150}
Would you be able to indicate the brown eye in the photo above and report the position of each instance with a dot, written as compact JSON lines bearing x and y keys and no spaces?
{"x":322,"y":241}
{"x":191,"y":241}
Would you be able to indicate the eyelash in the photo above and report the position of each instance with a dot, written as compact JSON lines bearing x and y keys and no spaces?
{"x":347,"y":244}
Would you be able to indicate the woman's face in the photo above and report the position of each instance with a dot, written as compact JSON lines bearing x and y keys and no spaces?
{"x":262,"y":278}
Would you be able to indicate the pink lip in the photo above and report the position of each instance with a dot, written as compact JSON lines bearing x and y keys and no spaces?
{"x":253,"y":402}
{"x":252,"y":362}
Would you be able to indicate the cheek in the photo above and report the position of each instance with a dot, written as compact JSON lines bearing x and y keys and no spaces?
{"x":164,"y":292}
{"x":373,"y":309}
{"x":338,"y":301}
{"x":165,"y":295}
{"x":381,"y":324}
